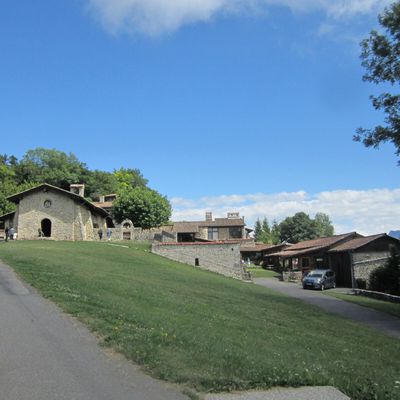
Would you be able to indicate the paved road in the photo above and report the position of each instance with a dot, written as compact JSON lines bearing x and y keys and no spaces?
{"x":46,"y":355}
{"x":384,"y":322}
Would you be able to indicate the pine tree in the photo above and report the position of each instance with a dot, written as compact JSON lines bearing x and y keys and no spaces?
{"x":257,"y":230}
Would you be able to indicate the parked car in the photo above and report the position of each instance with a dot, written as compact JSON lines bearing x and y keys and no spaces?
{"x":319,"y":279}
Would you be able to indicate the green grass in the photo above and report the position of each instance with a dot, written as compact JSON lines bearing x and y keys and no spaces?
{"x":202,"y":330}
{"x":262,"y":273}
{"x":380,"y":305}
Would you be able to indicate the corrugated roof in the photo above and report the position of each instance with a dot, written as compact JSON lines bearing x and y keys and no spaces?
{"x":358,"y":242}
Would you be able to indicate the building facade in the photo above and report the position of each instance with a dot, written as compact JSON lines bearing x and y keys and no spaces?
{"x":46,"y":211}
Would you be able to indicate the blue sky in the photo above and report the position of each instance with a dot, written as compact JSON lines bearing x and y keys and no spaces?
{"x":245,"y":105}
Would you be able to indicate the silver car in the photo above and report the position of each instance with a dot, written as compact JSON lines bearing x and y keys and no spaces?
{"x":319,"y":279}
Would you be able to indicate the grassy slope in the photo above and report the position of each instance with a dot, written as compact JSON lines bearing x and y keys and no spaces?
{"x":380,"y":305}
{"x":262,"y":273}
{"x":204,"y":330}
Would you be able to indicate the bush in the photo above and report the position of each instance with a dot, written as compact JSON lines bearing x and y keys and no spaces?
{"x":386,"y":279}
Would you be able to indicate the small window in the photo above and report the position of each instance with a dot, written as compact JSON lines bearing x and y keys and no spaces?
{"x":235,"y":232}
{"x":196,"y":262}
{"x":127,"y":225}
{"x":212,"y":233}
{"x":47,"y":204}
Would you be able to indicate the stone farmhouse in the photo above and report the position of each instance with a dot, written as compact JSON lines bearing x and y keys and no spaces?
{"x":55,"y":213}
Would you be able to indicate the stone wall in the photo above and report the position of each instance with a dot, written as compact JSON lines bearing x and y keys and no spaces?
{"x":365,"y":263}
{"x":221,"y":258}
{"x":69,"y":219}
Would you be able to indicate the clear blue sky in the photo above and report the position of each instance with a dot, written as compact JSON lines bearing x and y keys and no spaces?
{"x":203,"y":99}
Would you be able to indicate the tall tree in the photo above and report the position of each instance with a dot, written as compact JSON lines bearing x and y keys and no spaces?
{"x":275,"y":233}
{"x":50,"y":166}
{"x":297,"y":228}
{"x":266,"y":231}
{"x":257,"y":230}
{"x":323,"y":225}
{"x":146,"y":208}
{"x":131,"y":178}
{"x":381,"y":59}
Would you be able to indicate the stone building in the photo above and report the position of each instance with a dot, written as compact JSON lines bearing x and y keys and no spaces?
{"x":232,"y":227}
{"x":50,"y":212}
{"x":352,"y":256}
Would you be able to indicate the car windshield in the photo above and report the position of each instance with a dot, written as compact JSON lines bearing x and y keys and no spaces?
{"x":314,"y":275}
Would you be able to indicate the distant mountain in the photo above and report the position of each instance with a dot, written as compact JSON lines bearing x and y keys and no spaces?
{"x":395,"y":234}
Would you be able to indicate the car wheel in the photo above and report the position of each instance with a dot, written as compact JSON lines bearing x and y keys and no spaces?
{"x":322,"y":287}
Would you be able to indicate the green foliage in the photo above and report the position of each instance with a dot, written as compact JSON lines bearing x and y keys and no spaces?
{"x":50,"y":166}
{"x":301,"y":227}
{"x":297,"y":228}
{"x":275,"y":233}
{"x":129,"y":178}
{"x":381,"y":59}
{"x":257,"y":230}
{"x":323,"y":225}
{"x":57,"y":168}
{"x":146,"y":208}
{"x":262,"y":231}
{"x":386,"y":279}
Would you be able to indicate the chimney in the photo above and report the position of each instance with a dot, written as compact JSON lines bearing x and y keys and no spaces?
{"x":78,"y":189}
{"x":233,"y":215}
{"x":208,"y":216}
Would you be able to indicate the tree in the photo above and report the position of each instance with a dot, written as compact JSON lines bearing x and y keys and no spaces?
{"x":145,"y":207}
{"x":381,"y":58}
{"x":262,"y":231}
{"x":127,"y":177}
{"x":323,"y":225}
{"x":50,"y":166}
{"x":257,"y":230}
{"x":297,"y":228}
{"x":275,"y":233}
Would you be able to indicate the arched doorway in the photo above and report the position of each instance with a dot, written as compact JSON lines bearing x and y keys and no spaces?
{"x":46,"y":227}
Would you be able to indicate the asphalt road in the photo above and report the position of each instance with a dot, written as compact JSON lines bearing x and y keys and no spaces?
{"x":47,"y":355}
{"x":384,"y":322}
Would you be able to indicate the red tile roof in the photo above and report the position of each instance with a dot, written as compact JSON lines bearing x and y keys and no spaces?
{"x":358,"y":242}
{"x":312,"y":246}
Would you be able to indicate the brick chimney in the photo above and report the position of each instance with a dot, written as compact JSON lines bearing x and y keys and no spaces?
{"x":208,"y":216}
{"x":77,"y":188}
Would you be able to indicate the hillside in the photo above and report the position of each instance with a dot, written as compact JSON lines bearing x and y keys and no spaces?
{"x":203,"y":330}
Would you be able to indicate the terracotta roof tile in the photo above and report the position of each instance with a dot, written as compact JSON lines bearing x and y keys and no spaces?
{"x":357,"y":243}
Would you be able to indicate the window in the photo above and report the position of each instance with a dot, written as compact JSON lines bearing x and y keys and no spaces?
{"x":47,"y":204}
{"x":196,"y":262}
{"x":235,"y":232}
{"x":212,"y":233}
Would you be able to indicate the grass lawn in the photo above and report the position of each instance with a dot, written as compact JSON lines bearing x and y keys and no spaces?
{"x":203,"y":330}
{"x":380,"y":305}
{"x":262,"y":273}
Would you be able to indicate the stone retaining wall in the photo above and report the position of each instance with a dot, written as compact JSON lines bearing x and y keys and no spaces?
{"x":222,"y":258}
